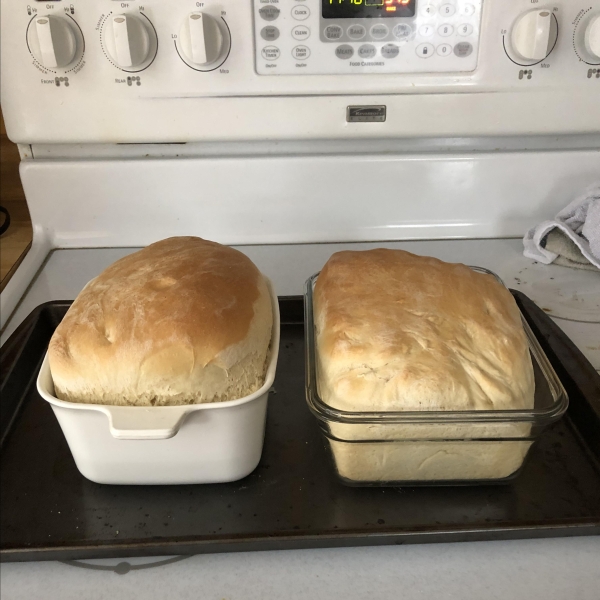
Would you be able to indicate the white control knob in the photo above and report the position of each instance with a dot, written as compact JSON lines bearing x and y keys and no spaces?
{"x":201,"y":39}
{"x":128,"y":40}
{"x":533,"y":35}
{"x":52,"y":41}
{"x":592,"y":37}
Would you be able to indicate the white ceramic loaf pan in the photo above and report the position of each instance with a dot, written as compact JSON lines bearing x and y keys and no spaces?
{"x":194,"y":443}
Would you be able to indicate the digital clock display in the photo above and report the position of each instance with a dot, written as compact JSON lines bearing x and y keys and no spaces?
{"x":370,"y":9}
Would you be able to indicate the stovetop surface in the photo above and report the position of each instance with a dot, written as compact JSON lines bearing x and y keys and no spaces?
{"x":548,"y":568}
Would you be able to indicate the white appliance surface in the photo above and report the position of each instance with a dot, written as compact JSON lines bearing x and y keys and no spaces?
{"x":310,"y":198}
{"x":506,"y":74}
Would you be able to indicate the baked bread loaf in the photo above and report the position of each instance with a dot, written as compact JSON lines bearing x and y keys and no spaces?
{"x":182,"y":321}
{"x":399,"y":332}
{"x":396,"y":331}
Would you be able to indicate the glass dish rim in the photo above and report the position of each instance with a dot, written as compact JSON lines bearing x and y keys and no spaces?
{"x":324,"y":412}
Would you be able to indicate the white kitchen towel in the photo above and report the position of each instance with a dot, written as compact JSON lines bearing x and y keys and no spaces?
{"x":572,"y":238}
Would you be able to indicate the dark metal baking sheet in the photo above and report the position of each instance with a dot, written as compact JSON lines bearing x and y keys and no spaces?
{"x":48,"y":510}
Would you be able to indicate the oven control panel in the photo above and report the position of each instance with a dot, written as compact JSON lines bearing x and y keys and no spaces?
{"x":296,"y":37}
{"x":144,"y":71}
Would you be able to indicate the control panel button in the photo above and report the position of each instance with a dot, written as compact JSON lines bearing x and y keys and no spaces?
{"x":444,"y":50}
{"x":426,"y":30}
{"x":270,"y":53}
{"x":269,"y":13}
{"x":447,"y":10}
{"x":300,"y":13}
{"x":301,"y":52}
{"x":402,"y":31}
{"x":463,"y":49}
{"x":356,"y":32}
{"x":390,"y":51}
{"x":424,"y":50}
{"x":465,"y":29}
{"x":445,"y":30}
{"x":428,"y":10}
{"x":269,"y":33}
{"x":367,"y":51}
{"x":300,"y":32}
{"x":379,"y":31}
{"x":467,"y":10}
{"x":345,"y":51}
{"x":333,"y":32}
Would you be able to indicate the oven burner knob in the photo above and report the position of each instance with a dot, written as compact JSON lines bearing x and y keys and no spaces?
{"x":534,"y":34}
{"x":52,"y":41}
{"x":128,"y":40}
{"x":592,"y":38}
{"x":201,"y":39}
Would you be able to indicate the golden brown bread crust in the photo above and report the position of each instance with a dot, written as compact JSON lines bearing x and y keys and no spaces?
{"x":396,"y":331}
{"x":184,"y":320}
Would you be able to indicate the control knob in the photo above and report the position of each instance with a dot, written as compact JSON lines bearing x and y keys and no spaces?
{"x":201,"y":39}
{"x":534,"y":35}
{"x":52,"y":41}
{"x":129,"y":40}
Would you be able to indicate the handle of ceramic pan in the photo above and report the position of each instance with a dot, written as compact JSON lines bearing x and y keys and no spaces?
{"x":141,"y":423}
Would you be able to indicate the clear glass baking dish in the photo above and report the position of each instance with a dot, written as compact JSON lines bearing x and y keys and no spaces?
{"x":432,"y":447}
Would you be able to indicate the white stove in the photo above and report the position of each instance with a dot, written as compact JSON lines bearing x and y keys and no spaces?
{"x":294,"y":128}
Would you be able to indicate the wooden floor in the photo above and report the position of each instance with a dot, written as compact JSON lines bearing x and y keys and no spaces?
{"x":15,"y":242}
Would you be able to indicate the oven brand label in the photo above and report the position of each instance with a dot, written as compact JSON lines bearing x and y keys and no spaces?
{"x":365,"y":114}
